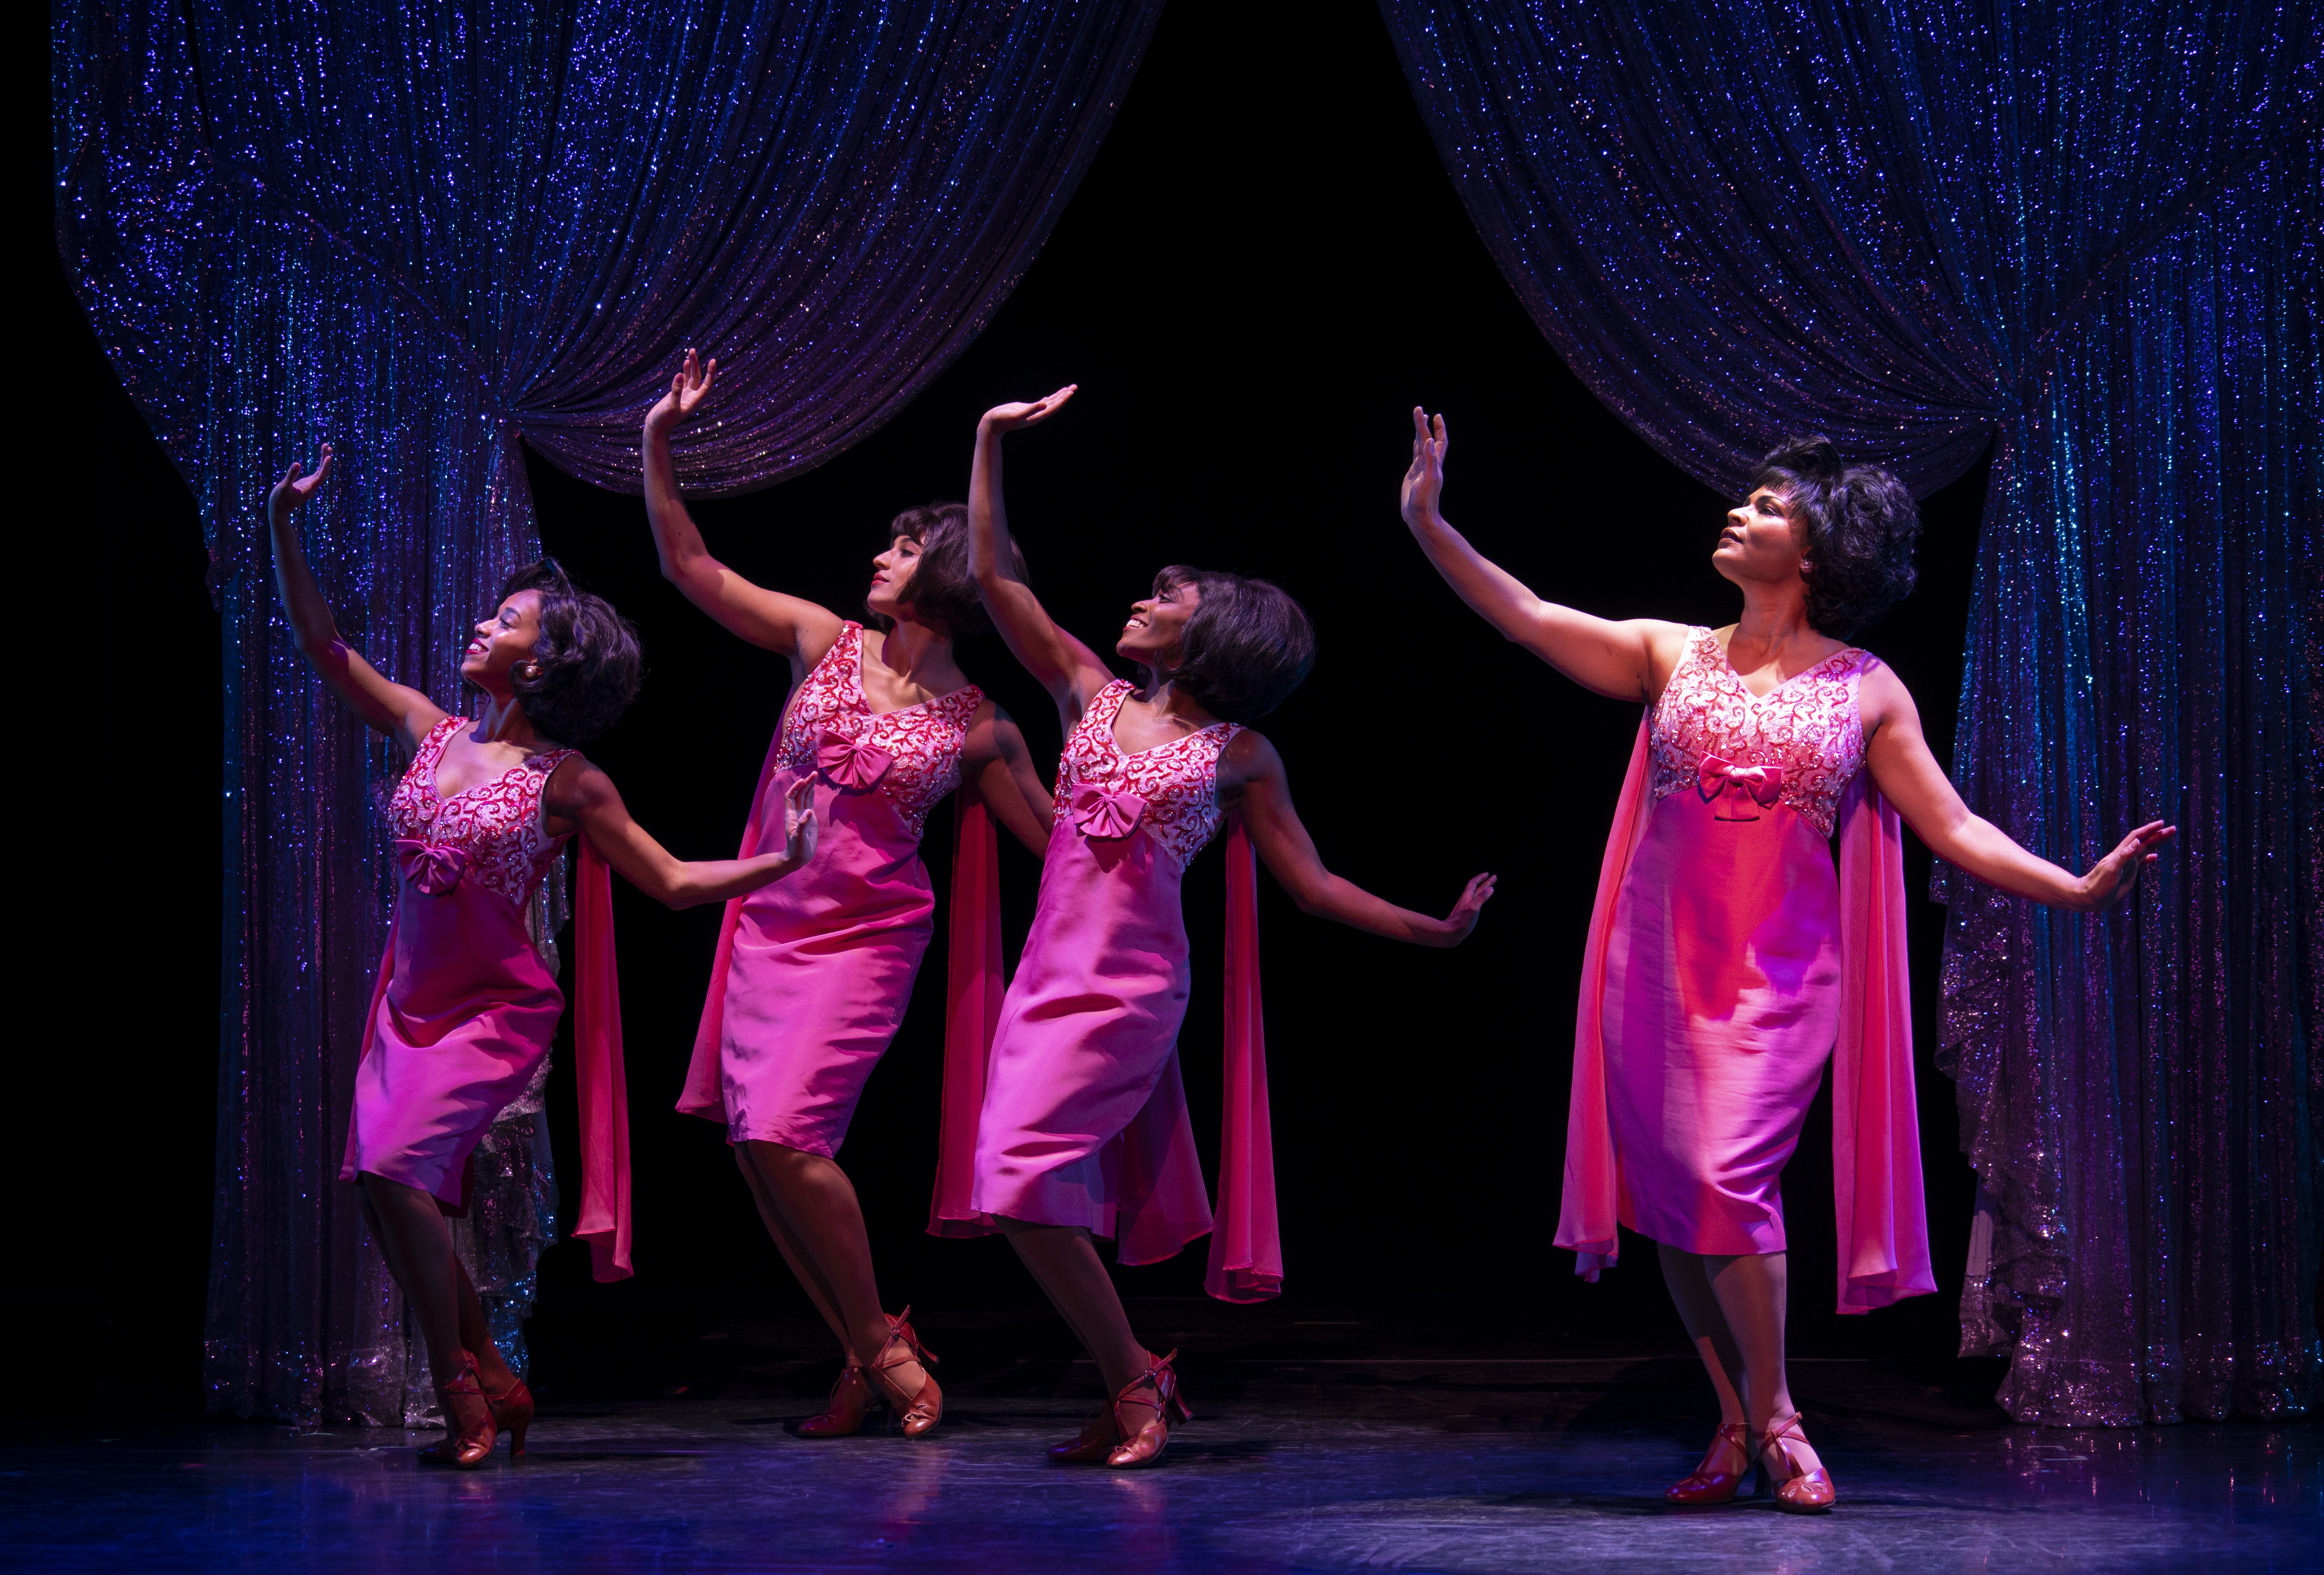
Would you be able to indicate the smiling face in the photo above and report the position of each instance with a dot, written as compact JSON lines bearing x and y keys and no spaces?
{"x":502,"y":641}
{"x":1157,"y":625}
{"x":891,"y":574}
{"x":1761,"y":542}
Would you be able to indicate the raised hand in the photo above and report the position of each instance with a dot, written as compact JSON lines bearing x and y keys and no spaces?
{"x":688,"y":389}
{"x":297,"y":485}
{"x":1009,"y":417}
{"x":1462,"y":919}
{"x":1424,"y":484}
{"x":800,"y":829}
{"x":2111,"y":878}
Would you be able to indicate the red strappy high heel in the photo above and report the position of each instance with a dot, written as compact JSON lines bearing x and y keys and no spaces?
{"x":1144,"y":1447}
{"x":920,"y":1412}
{"x":1797,"y":1491}
{"x":850,"y":1397}
{"x":513,"y":1412}
{"x":1709,"y":1484}
{"x":1096,"y":1442}
{"x":467,"y":1420}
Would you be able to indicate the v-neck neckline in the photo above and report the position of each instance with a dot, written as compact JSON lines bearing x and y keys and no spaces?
{"x":1727,"y":665}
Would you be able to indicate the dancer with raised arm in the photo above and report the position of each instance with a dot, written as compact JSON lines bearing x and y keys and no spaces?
{"x":812,"y":976}
{"x":1724,"y":963}
{"x":465,"y":1008}
{"x":1085,"y":1130}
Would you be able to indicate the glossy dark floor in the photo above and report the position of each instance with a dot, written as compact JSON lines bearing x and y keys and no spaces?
{"x":1300,"y":1459}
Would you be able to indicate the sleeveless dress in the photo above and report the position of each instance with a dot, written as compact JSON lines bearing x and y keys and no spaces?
{"x":1726,"y":967}
{"x":464,"y":1008}
{"x":814,"y":972}
{"x":1084,"y":1120}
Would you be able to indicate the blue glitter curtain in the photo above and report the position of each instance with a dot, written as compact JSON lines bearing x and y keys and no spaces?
{"x":2084,"y":234}
{"x":425,"y":233}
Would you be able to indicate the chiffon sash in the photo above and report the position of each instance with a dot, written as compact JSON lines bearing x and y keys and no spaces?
{"x":1246,"y":1243}
{"x":973,"y":988}
{"x":705,"y":1093}
{"x":603,"y":1086}
{"x":1882,"y":1219}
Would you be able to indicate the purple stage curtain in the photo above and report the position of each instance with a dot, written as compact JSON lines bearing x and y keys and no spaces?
{"x":425,"y":233}
{"x":2085,"y":234}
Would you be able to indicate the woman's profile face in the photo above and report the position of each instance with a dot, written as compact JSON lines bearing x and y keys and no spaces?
{"x":891,"y":573}
{"x":1761,"y":541}
{"x":502,"y":641}
{"x":1158,"y":626}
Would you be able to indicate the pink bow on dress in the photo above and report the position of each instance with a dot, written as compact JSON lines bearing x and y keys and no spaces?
{"x":433,"y":870}
{"x":849,"y":762}
{"x":1763,"y":783}
{"x":1101,"y":814}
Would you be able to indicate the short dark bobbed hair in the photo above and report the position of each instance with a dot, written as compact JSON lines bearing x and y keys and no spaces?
{"x":1248,"y":646}
{"x":941,"y":590}
{"x":586,"y":666}
{"x":1861,"y":526}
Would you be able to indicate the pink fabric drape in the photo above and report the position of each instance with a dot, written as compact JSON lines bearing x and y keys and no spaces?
{"x":705,"y":1093}
{"x":603,"y":1085}
{"x":1883,"y":1224}
{"x":973,"y":988}
{"x":1246,"y":1244}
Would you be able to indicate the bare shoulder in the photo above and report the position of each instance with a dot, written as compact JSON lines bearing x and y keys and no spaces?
{"x":1249,"y":757}
{"x":579,"y":784}
{"x":1881,"y":697}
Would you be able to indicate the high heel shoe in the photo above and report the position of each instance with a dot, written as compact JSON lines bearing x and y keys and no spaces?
{"x":1709,"y":1484}
{"x":850,"y":1397}
{"x":467,"y":1420}
{"x":920,"y":1412}
{"x":513,"y":1412}
{"x":1797,"y":1491}
{"x":1097,"y":1441}
{"x":1144,"y":1447}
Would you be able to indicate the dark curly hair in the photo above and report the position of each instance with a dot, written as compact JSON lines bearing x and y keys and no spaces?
{"x":1861,"y":525}
{"x":1248,"y":646}
{"x":940,"y":590}
{"x":586,"y":666}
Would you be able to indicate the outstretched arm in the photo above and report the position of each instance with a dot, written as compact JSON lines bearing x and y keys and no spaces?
{"x":1897,"y":755}
{"x":1628,"y":659}
{"x":1067,"y":668}
{"x":798,"y":629}
{"x":1289,"y":854}
{"x":394,"y":709}
{"x":581,"y":792}
{"x":1001,"y":767}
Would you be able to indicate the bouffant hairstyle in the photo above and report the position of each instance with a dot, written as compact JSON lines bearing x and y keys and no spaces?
{"x":1247,"y":647}
{"x":586,"y":666}
{"x":1860,"y":526}
{"x":941,"y":590}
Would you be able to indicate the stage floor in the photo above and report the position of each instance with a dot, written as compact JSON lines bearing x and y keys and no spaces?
{"x":1295,"y":1462}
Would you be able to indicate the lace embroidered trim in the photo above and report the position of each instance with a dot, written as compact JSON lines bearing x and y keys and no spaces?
{"x":1178,"y":780}
{"x":1809,"y":725}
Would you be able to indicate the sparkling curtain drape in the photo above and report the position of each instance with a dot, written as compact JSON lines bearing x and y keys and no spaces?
{"x":2084,"y":234}
{"x":426,"y":233}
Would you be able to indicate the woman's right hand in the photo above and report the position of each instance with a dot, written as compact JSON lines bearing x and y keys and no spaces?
{"x":688,"y":389}
{"x":800,"y":828}
{"x":1462,"y":919}
{"x":1424,"y":484}
{"x":1009,"y":417}
{"x":297,"y":485}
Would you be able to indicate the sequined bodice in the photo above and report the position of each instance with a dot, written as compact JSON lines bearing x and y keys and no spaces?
{"x":490,"y":833}
{"x":912,"y":756}
{"x":1173,"y":788}
{"x":1808,"y":726}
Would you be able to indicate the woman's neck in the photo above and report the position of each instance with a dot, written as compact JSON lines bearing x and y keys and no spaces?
{"x":1168,"y":699}
{"x":504,"y":722}
{"x":1775,"y":620}
{"x":916,"y":654}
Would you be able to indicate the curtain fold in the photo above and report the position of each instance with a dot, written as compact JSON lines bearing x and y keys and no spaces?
{"x":2085,"y":235}
{"x":427,"y":233}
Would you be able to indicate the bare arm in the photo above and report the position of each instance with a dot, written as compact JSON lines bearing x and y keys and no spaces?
{"x":1627,"y":660}
{"x":581,"y":792}
{"x":1282,"y":844}
{"x":1897,"y":755}
{"x":1067,"y":668}
{"x":395,"y":709}
{"x":1001,"y":767}
{"x":798,"y":629}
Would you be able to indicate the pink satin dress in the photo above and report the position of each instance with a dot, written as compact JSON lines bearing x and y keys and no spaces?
{"x":1084,"y":1120}
{"x":1723,"y":966}
{"x":814,"y":972}
{"x":465,"y":1008}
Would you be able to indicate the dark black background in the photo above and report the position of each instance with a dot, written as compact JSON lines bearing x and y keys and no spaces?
{"x":1264,"y":270}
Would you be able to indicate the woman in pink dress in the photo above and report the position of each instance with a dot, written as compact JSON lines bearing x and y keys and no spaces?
{"x":464,"y":1008}
{"x":1085,"y":1130}
{"x":811,"y":977}
{"x":1725,"y":962}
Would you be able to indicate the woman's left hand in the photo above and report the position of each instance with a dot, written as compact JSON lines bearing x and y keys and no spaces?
{"x":2110,"y":880}
{"x":800,"y":828}
{"x":1464,"y":917}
